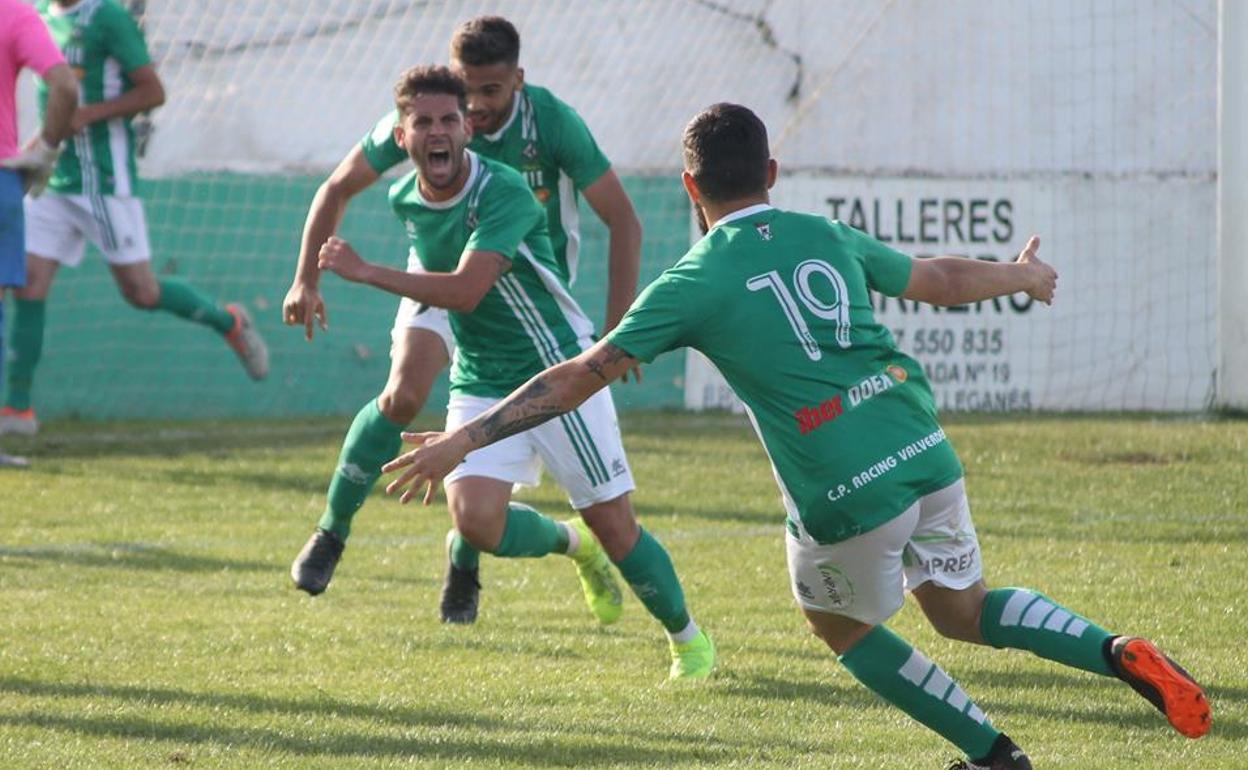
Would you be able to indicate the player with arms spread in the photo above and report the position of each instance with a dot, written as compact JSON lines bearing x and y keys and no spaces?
{"x":529,"y":129}
{"x":480,"y":236}
{"x":93,"y":196}
{"x":872,"y":489}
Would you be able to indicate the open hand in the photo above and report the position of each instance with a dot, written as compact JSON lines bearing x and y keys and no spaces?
{"x":436,"y":454}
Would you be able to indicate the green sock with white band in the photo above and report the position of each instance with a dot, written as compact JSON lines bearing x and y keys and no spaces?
{"x":1028,"y":620}
{"x":904,"y":677}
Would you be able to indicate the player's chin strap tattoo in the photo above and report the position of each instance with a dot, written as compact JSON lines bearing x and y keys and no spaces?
{"x":555,"y":391}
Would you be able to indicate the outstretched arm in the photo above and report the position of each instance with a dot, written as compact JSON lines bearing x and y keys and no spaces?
{"x":557,"y":390}
{"x":304,"y":305}
{"x":957,"y":281}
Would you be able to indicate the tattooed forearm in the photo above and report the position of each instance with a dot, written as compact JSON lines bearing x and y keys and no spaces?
{"x":605,"y":358}
{"x":532,"y":405}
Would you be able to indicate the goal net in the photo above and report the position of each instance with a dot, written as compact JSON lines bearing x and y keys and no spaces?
{"x":957,"y":128}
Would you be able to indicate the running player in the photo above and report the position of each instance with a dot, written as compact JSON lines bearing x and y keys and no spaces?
{"x":872,"y":489}
{"x":527,"y":128}
{"x":480,"y":237}
{"x":93,"y":196}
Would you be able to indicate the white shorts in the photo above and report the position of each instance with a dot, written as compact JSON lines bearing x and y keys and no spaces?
{"x":59,"y":226}
{"x":866,"y":577}
{"x":582,"y":450}
{"x":416,"y":315}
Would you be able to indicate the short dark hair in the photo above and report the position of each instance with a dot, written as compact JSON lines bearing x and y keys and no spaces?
{"x":726,"y":152}
{"x":486,"y":40}
{"x":428,"y":79}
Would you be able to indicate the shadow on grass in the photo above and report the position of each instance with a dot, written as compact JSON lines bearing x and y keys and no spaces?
{"x":132,"y":556}
{"x":518,"y":748}
{"x":119,"y":440}
{"x":1112,"y":703}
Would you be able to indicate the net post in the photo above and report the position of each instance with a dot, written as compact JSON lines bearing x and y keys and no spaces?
{"x":1232,"y":375}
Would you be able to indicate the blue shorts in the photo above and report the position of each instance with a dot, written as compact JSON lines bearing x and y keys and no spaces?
{"x":12,"y":230}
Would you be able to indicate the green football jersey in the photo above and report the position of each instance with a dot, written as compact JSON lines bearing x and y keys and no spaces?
{"x":547,"y":142}
{"x":527,"y":321}
{"x":779,"y":302}
{"x":102,"y":43}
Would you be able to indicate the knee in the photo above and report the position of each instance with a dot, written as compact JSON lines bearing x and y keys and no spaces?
{"x":614,"y":525}
{"x":398,"y":406}
{"x":960,"y":622}
{"x":476,"y":526}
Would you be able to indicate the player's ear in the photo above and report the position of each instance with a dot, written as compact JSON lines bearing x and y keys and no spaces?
{"x":519,"y":78}
{"x":691,"y":187}
{"x":398,"y":131}
{"x":773,"y":170}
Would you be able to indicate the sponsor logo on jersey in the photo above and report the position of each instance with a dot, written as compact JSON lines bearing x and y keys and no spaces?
{"x":529,"y":151}
{"x":618,"y":468}
{"x":542,"y":195}
{"x":804,"y":591}
{"x":811,"y":417}
{"x":870,"y":387}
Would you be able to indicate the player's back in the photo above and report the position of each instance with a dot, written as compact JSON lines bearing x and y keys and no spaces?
{"x":785,"y":314}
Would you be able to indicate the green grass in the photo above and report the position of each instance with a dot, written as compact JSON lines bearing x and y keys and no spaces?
{"x":147,"y":619}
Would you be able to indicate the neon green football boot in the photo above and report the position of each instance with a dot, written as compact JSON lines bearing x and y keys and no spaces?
{"x":694,"y":659}
{"x":602,"y":592}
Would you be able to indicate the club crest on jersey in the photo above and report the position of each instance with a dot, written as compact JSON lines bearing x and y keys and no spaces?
{"x":764,"y":230}
{"x":530,"y":151}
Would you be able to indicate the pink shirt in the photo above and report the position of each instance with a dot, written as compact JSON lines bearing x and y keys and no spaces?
{"x":24,"y":42}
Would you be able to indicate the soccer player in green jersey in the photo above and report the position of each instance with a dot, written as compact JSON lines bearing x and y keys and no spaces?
{"x":527,"y":128}
{"x":872,"y":489}
{"x":93,"y":196}
{"x":481,"y":239}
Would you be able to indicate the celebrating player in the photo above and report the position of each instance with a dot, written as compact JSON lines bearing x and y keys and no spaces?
{"x":480,"y":237}
{"x":872,"y":489}
{"x":92,"y":196}
{"x":25,"y":42}
{"x":527,"y":128}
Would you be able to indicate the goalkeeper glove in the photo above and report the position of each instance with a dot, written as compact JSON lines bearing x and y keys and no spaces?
{"x":35,"y":163}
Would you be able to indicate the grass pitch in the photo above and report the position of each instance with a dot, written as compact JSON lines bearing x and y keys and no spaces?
{"x":148,"y":619}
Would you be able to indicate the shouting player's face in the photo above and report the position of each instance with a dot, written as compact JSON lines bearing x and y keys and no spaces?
{"x":491,"y":89}
{"x":434,"y":133}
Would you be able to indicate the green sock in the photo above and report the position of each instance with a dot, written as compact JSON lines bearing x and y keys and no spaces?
{"x":371,"y":441}
{"x":185,"y":301}
{"x":649,"y":572}
{"x":904,"y":677}
{"x":463,"y":555}
{"x":26,"y":346}
{"x":1029,"y":620}
{"x":530,"y":534}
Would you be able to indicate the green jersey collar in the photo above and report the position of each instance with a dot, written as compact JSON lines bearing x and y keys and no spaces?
{"x":748,"y":211}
